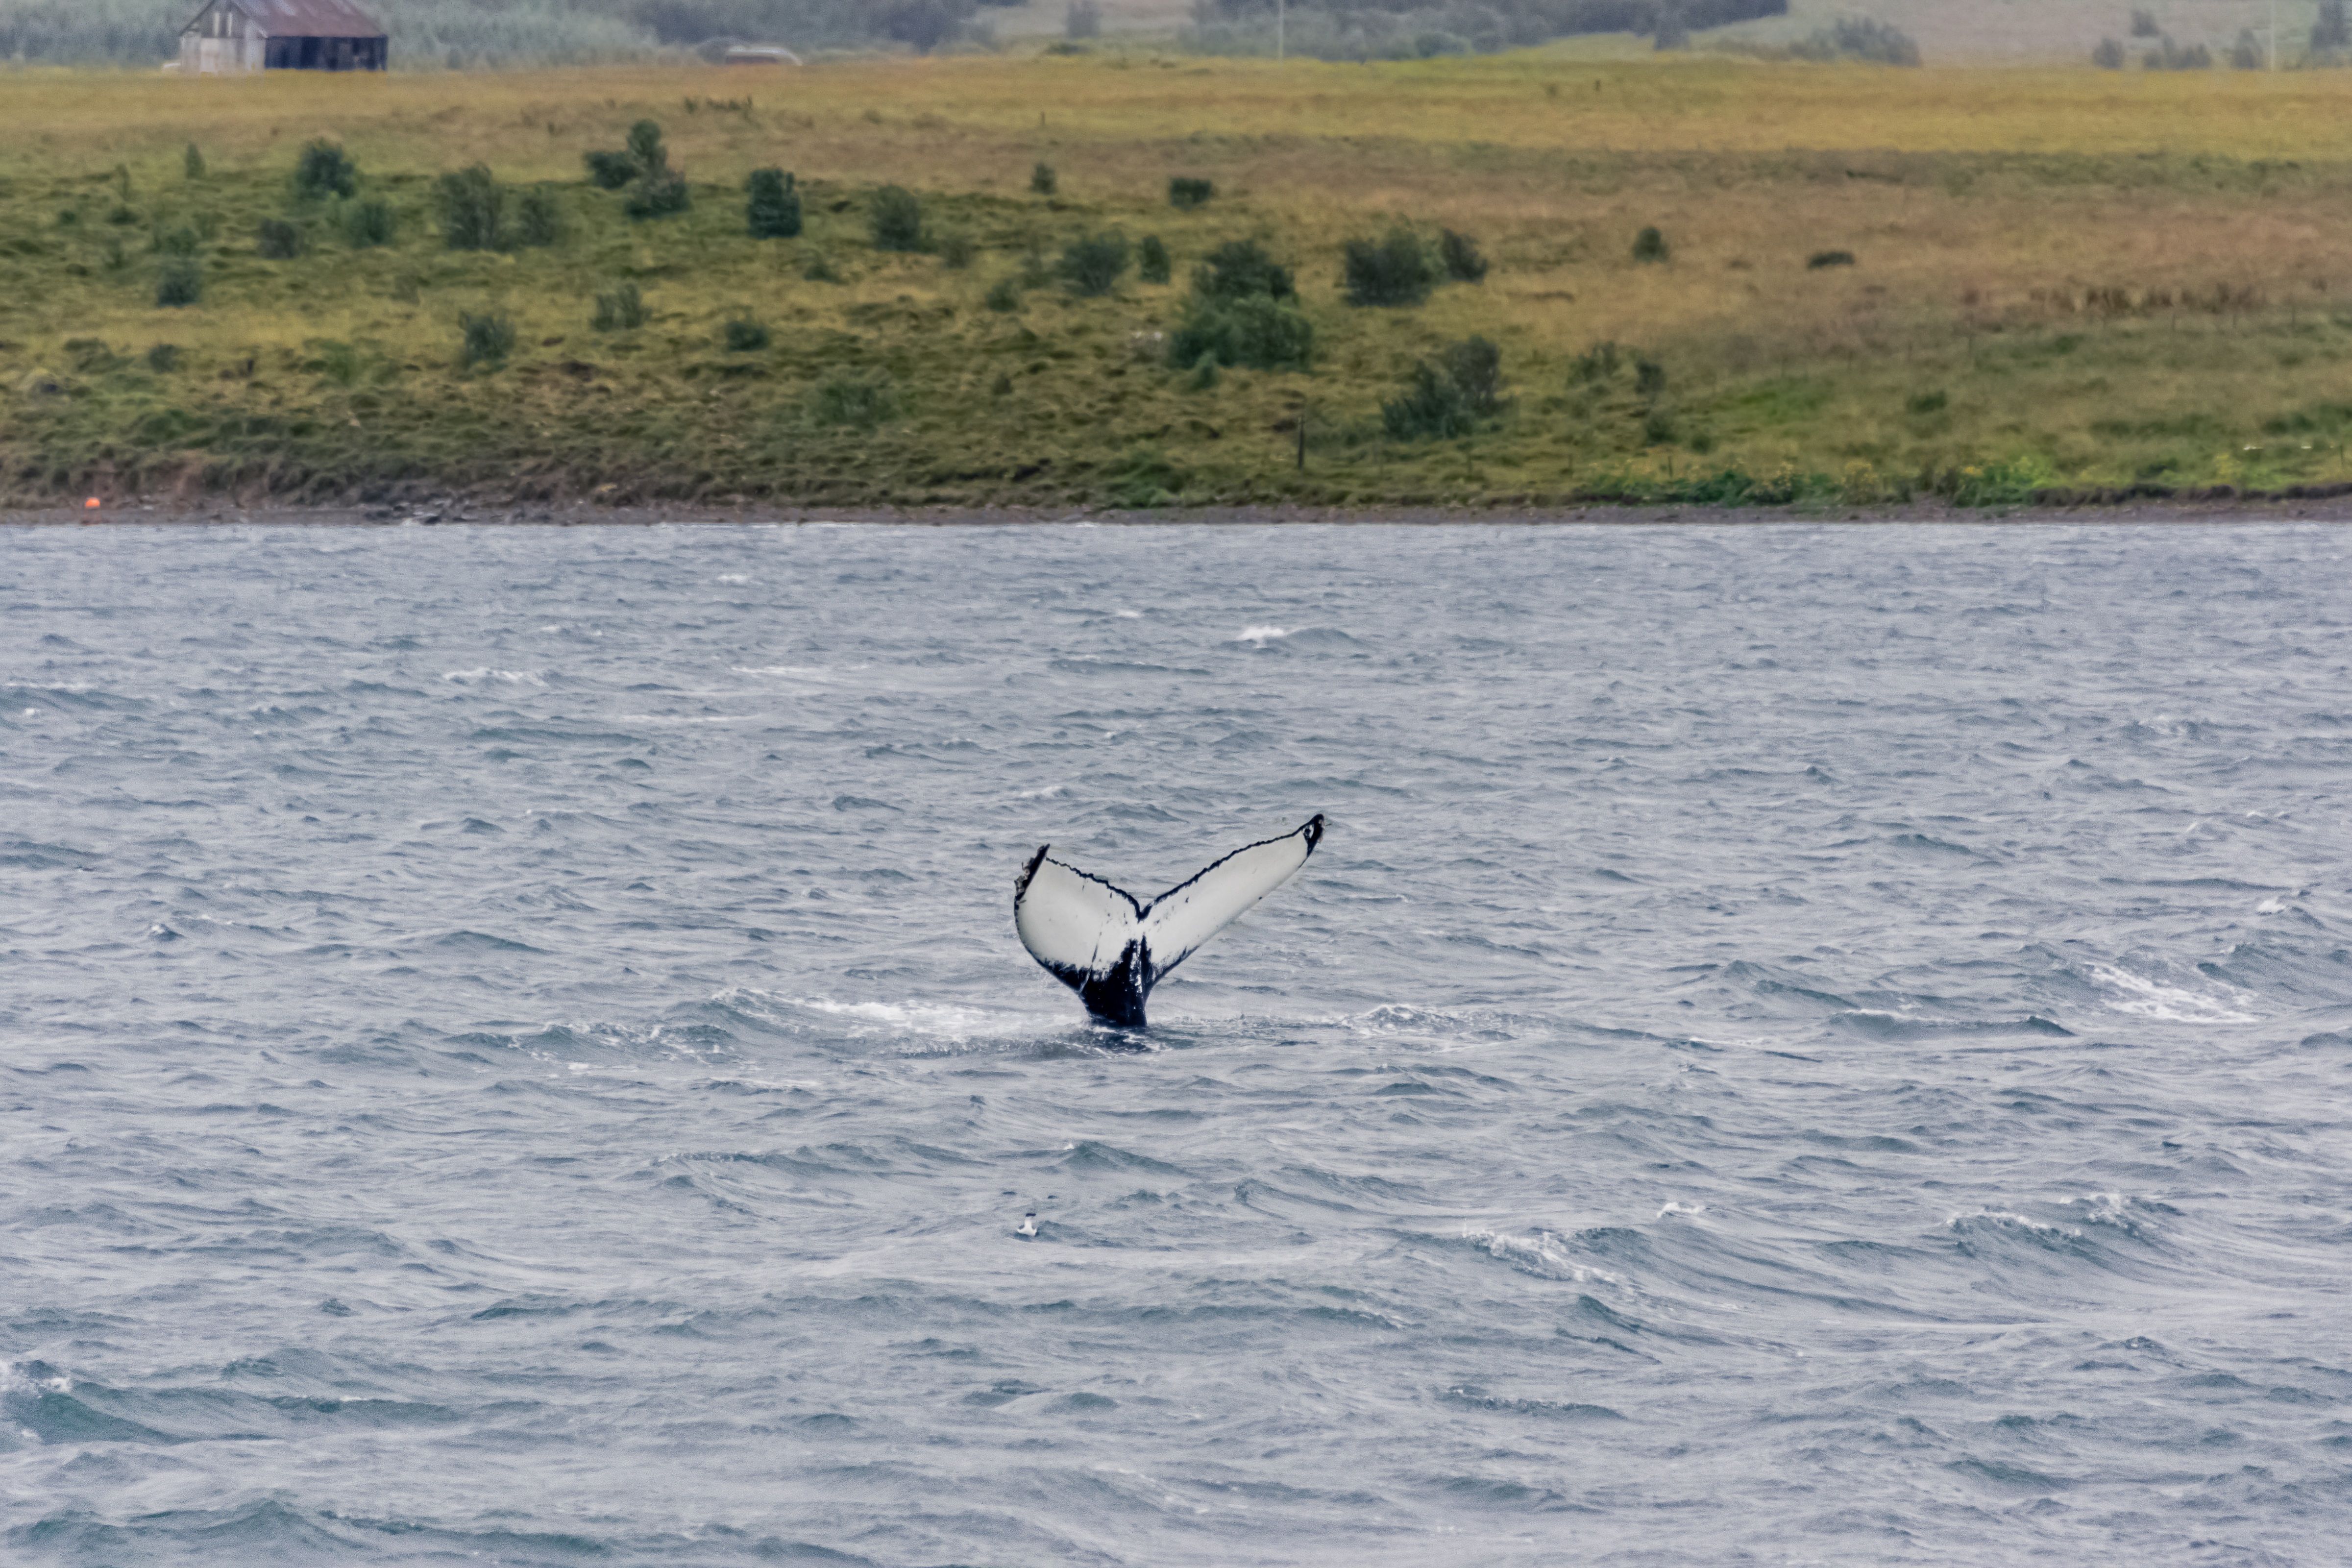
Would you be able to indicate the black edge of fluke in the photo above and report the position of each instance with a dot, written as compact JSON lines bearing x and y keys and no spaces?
{"x":1021,"y":883}
{"x":1115,"y":996}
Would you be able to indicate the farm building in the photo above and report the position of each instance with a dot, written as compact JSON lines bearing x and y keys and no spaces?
{"x":232,"y":36}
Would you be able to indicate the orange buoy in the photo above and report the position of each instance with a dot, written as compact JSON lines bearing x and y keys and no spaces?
{"x":90,"y":505}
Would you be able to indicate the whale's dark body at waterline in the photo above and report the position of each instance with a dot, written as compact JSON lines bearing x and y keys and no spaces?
{"x":1111,"y":949}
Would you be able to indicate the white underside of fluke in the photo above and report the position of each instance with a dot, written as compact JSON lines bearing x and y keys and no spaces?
{"x":1103,"y":943}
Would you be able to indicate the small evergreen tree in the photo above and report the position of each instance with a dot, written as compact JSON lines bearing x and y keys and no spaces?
{"x":324,"y":171}
{"x":472,"y":210}
{"x":646,"y":147}
{"x":1429,"y":409}
{"x":1092,"y":265}
{"x":1240,"y":269}
{"x":623,"y":309}
{"x":278,"y":240}
{"x":1460,"y":254}
{"x":1393,"y":270}
{"x":1042,"y":181}
{"x":771,"y":207}
{"x":611,"y":171}
{"x":181,"y":282}
{"x":1151,"y":262}
{"x":367,"y":225}
{"x":192,"y":163}
{"x":539,"y":219}
{"x":486,"y":339}
{"x":661,"y":194}
{"x":895,"y":218}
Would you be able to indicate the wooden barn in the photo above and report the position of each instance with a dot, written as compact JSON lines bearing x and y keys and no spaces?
{"x":229,"y":37}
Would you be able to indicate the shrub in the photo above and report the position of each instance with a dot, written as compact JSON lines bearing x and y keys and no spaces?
{"x":488,"y":339}
{"x":1204,"y":374}
{"x":1042,"y":181}
{"x":472,"y":210}
{"x":367,"y":225}
{"x":620,"y":311}
{"x":1649,"y":378}
{"x":1459,"y":253}
{"x":181,"y":282}
{"x":1093,"y":264}
{"x":1475,"y":366}
{"x":772,"y":206}
{"x":1151,"y":260}
{"x":278,"y":240}
{"x":895,"y":218}
{"x":323,"y":170}
{"x":180,"y":241}
{"x":539,"y":220}
{"x":2108,"y":56}
{"x":956,"y":250}
{"x":661,"y":194}
{"x":192,"y":163}
{"x":610,"y":171}
{"x":1393,"y":270}
{"x":745,"y":337}
{"x":1035,"y":271}
{"x":1254,"y":330}
{"x":859,"y":402}
{"x":1596,"y":363}
{"x":820,"y":269}
{"x":163,"y":358}
{"x":1082,"y":20}
{"x":1187,"y":193}
{"x":1241,"y":269}
{"x":646,"y":149}
{"x":1821,"y":258}
{"x":1004,"y":294}
{"x":2169,"y":56}
{"x":1429,"y":409}
{"x":1658,"y":428}
{"x":1650,"y":246}
{"x":1928,"y":402}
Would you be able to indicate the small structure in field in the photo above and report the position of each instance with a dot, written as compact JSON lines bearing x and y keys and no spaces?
{"x":231,"y":37}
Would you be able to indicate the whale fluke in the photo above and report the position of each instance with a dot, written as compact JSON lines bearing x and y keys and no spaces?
{"x":1111,"y":950}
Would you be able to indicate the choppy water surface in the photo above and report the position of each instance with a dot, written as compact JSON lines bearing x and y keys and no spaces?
{"x":1821,"y":1045}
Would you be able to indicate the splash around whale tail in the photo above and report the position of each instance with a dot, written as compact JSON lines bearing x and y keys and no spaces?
{"x":1101,"y":942}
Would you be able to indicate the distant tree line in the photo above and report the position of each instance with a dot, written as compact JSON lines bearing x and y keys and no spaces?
{"x":1395,"y":29}
{"x":462,"y":32}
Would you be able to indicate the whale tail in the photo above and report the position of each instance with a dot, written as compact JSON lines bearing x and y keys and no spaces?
{"x":1111,"y":950}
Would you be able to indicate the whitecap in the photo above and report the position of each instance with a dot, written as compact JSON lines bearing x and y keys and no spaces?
{"x":1261,"y":635}
{"x":1538,"y":1254}
{"x":2143,"y":997}
{"x":512,"y":676}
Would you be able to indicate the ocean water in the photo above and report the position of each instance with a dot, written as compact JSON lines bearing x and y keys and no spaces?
{"x":1802,"y":1044}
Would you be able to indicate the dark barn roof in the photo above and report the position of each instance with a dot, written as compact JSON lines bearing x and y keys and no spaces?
{"x":310,"y":18}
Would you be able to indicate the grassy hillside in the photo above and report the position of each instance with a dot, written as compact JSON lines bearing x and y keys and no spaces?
{"x":2057,"y":278}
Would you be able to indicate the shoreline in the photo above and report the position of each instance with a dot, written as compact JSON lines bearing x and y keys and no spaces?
{"x":2139,"y":512}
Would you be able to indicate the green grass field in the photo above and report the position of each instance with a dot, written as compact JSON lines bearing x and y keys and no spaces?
{"x":2060,"y":280}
